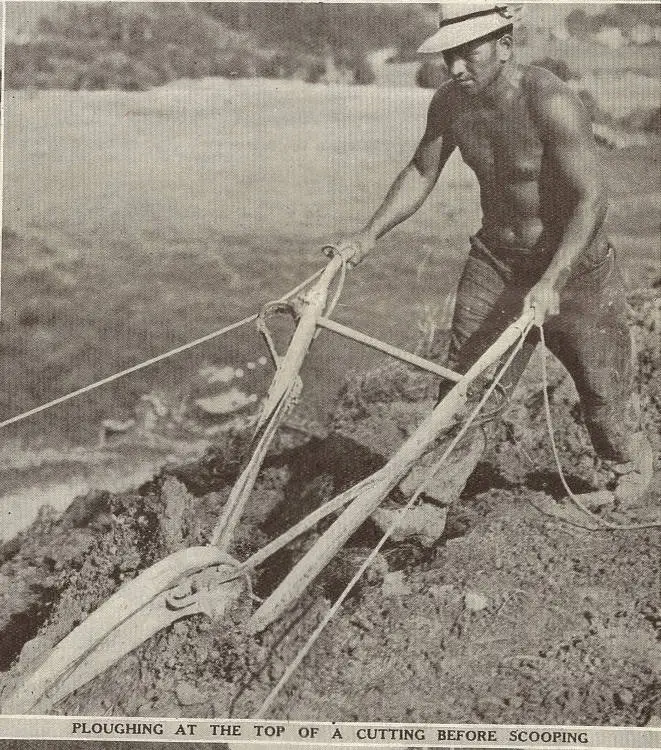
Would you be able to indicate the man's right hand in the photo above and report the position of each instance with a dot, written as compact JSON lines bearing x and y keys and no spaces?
{"x":354,"y":249}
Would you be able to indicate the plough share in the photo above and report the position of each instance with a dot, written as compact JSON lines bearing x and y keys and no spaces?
{"x":207,"y":579}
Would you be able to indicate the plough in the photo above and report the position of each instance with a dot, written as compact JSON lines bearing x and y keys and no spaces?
{"x":207,"y":579}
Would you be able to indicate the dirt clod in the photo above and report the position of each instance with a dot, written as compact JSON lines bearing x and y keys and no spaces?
{"x":188,"y":695}
{"x":475,"y":602}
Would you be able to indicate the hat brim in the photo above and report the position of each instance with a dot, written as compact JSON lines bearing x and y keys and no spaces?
{"x":461,"y":32}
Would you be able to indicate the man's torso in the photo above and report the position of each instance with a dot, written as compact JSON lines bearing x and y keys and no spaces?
{"x":523,"y":201}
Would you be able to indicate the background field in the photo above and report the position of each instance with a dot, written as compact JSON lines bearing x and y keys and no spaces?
{"x":154,"y":218}
{"x":137,"y":222}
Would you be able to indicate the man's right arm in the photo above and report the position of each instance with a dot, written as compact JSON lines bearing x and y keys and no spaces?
{"x":411,"y":187}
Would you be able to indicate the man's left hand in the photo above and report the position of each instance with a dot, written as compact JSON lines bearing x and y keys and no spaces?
{"x":544,"y":298}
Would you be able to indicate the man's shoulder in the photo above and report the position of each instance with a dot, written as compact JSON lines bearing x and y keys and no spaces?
{"x":547,"y":95}
{"x":444,"y":103}
{"x":540,"y":84}
{"x":445,"y":95}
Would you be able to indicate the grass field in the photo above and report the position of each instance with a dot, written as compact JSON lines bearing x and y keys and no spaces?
{"x":142,"y":221}
{"x":136,"y":222}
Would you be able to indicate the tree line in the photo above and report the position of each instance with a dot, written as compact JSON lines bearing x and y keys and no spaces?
{"x":135,"y":46}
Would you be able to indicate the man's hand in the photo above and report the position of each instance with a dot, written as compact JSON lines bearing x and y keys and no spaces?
{"x":353,"y":249}
{"x":544,"y":298}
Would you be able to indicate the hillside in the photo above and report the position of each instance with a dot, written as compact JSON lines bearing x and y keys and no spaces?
{"x":134,"y":46}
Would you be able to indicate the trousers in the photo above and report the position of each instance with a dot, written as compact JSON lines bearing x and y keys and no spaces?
{"x":590,"y":336}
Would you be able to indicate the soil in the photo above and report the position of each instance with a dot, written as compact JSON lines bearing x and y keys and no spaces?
{"x":514,"y":616}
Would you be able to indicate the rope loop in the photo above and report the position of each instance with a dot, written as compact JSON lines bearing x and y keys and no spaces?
{"x":602,"y":523}
{"x":269,"y":310}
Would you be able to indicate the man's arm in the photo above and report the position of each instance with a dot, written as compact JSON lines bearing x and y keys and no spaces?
{"x":571,"y":156}
{"x":414,"y":183}
{"x":411,"y":187}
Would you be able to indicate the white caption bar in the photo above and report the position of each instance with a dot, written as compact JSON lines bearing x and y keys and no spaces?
{"x":241,"y":733}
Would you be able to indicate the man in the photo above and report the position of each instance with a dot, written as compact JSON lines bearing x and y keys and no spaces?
{"x":542,"y":244}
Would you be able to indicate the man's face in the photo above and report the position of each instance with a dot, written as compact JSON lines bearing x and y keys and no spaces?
{"x":474,"y":66}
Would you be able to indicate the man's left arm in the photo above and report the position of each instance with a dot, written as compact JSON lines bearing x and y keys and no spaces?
{"x":570,"y":154}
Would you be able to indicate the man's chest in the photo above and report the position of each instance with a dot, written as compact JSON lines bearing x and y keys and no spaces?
{"x":500,"y":145}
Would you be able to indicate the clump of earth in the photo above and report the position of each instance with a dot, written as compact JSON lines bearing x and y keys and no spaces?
{"x":513,"y":616}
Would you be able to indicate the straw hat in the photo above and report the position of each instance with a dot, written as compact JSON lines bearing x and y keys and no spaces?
{"x":461,"y":23}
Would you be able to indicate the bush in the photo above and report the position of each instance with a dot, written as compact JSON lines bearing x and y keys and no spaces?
{"x":315,"y":72}
{"x":281,"y":65}
{"x":236,"y":64}
{"x":652,"y":123}
{"x":579,"y":24}
{"x":363,"y":73}
{"x":647,"y":120}
{"x":116,"y":70}
{"x":431,"y":75}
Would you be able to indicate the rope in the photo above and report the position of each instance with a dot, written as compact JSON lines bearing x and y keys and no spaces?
{"x":603,"y":523}
{"x":153,"y":360}
{"x":303,"y":652}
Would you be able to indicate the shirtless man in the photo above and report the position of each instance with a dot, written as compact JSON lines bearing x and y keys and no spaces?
{"x":542,"y":243}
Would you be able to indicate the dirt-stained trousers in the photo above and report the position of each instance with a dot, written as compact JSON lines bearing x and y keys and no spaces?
{"x":590,"y":336}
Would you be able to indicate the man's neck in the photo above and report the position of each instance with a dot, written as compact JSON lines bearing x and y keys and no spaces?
{"x":504,"y":85}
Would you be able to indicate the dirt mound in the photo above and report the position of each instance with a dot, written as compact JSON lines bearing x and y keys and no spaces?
{"x":514,"y":616}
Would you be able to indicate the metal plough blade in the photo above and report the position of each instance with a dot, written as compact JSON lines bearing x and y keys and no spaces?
{"x":138,"y":610}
